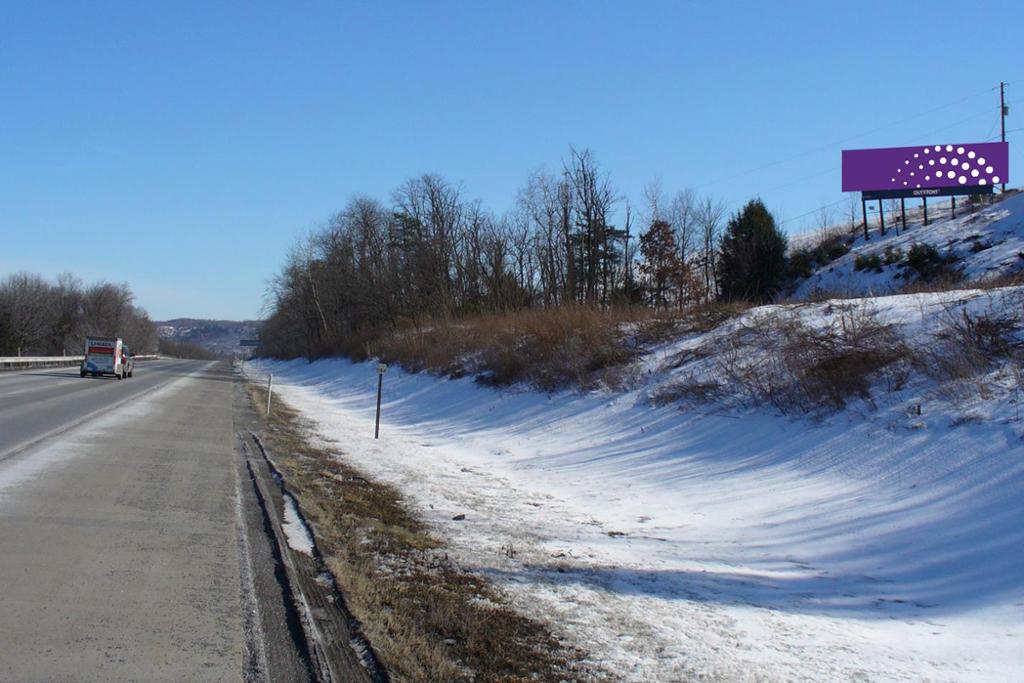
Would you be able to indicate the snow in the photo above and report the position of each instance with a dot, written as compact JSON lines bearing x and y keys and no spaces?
{"x":295,"y":530}
{"x":997,"y":230}
{"x":722,"y":542}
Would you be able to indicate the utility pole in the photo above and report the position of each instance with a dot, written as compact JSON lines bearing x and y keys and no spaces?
{"x":1003,"y":111}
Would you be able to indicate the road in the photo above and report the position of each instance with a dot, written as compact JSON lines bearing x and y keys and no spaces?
{"x":121,"y":516}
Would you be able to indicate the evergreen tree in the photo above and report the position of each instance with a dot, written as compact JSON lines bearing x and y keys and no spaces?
{"x":752,"y":257}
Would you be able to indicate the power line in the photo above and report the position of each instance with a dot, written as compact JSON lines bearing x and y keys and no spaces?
{"x":813,"y":211}
{"x":846,"y":139}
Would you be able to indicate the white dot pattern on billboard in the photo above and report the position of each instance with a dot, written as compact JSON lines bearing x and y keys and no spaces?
{"x":974,"y":173}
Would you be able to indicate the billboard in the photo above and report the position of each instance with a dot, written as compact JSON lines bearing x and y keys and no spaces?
{"x":967,"y":167}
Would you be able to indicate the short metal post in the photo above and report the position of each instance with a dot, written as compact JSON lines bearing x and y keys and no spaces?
{"x":381,"y":369}
{"x":380,"y":387}
{"x":270,"y":391}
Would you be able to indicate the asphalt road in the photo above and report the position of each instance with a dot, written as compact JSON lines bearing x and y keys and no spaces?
{"x":37,"y":403}
{"x":122,"y":515}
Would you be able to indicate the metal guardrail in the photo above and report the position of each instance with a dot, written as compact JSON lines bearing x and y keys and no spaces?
{"x":22,"y":363}
{"x":29,"y":362}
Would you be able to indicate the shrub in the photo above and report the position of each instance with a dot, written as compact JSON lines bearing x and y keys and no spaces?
{"x":547,"y":349}
{"x":968,"y":345}
{"x":832,"y":248}
{"x":800,"y":264}
{"x":779,"y":360}
{"x":868,"y":262}
{"x":830,"y":245}
{"x":925,"y":260}
{"x":893,"y":255}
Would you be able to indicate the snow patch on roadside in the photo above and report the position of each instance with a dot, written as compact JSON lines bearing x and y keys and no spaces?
{"x":295,"y":530}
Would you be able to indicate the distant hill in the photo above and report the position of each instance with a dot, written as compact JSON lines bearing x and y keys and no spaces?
{"x":218,"y":336}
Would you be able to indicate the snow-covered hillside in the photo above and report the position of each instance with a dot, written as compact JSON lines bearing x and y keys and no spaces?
{"x":986,"y":243}
{"x":720,"y":539}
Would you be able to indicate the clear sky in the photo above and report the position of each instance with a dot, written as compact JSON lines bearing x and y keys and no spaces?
{"x":182,"y":146}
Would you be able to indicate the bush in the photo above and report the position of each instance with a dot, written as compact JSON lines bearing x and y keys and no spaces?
{"x":800,"y":264}
{"x":830,"y":245}
{"x":926,"y":262}
{"x":892,"y":256}
{"x":868,"y":262}
{"x":547,"y":349}
{"x":968,"y":345}
{"x":831,"y":248}
{"x":779,"y":360}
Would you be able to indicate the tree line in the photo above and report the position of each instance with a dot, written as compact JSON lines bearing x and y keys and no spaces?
{"x":43,"y":318}
{"x":432,"y":254}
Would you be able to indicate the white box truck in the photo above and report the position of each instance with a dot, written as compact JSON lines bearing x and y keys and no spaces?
{"x":104,"y":356}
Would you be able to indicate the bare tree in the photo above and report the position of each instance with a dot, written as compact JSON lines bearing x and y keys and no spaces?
{"x":710,"y":215}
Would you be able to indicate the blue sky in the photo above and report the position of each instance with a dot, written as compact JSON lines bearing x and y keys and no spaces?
{"x":205,"y":137}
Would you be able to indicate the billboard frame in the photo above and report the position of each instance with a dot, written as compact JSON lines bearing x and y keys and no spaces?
{"x":980,"y":162}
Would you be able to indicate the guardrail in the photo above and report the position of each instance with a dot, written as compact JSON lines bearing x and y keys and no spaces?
{"x":22,"y":363}
{"x":29,"y":362}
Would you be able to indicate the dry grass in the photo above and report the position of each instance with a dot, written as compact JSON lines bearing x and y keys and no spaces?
{"x":957,"y":283}
{"x":547,"y":349}
{"x":426,"y":619}
{"x":553,"y":349}
{"x":778,"y":360}
{"x":970,"y":345}
{"x":688,"y":392}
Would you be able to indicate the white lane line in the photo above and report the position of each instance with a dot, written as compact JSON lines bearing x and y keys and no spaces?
{"x":107,"y":407}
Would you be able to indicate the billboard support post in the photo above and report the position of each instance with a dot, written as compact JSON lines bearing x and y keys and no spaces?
{"x":952,"y":209}
{"x":881,"y":218}
{"x":924,"y":204}
{"x":864,"y":215}
{"x":903,"y":214}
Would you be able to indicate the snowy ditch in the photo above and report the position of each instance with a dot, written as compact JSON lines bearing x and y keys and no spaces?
{"x":733,"y":544}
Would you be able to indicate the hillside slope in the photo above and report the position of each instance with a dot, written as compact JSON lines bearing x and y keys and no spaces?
{"x":727,"y":517}
{"x":982,"y":244}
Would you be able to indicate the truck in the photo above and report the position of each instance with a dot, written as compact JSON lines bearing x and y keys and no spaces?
{"x":104,"y":356}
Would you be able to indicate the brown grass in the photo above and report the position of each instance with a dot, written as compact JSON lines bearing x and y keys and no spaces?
{"x":547,"y":349}
{"x":426,"y":619}
{"x":808,"y":369}
{"x":970,"y":345}
{"x":569,"y":347}
{"x":954,"y":284}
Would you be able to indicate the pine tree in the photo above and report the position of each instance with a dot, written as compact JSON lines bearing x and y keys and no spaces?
{"x":752,"y":257}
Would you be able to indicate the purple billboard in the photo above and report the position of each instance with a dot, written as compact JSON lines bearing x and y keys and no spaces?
{"x":966,"y":166}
